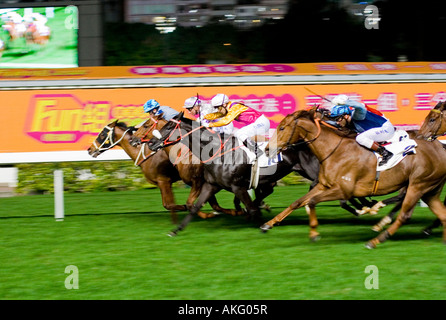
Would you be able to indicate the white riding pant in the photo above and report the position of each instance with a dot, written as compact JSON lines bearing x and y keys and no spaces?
{"x":259,"y":127}
{"x":383,"y":133}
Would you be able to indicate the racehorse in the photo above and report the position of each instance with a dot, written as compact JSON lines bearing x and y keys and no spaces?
{"x":225,"y":164}
{"x":188,"y":166}
{"x":157,"y":169}
{"x":434,"y":124}
{"x":347,"y":171}
{"x":299,"y":159}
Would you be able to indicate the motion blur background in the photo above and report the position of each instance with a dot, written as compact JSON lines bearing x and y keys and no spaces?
{"x":138,"y":32}
{"x":91,"y":33}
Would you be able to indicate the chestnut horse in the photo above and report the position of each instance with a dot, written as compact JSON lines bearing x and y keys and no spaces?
{"x":347,"y":170}
{"x":157,"y":169}
{"x":434,"y":124}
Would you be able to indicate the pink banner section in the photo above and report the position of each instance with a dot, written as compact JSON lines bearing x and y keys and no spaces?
{"x":212,"y":69}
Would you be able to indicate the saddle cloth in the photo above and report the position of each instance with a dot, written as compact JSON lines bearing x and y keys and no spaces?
{"x":262,"y":162}
{"x":401,"y":146}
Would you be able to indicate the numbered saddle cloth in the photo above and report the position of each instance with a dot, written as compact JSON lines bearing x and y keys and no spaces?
{"x":401,"y":146}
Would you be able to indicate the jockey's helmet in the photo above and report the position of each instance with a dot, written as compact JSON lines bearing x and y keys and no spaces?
{"x":150,"y":105}
{"x":219,"y":100}
{"x":192,"y":102}
{"x":340,"y":110}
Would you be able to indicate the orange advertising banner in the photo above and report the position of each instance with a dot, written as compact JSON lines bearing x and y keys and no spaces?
{"x":69,"y":120}
{"x":223,"y":70}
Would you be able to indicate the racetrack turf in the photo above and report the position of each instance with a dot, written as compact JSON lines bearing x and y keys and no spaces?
{"x":118,"y":243}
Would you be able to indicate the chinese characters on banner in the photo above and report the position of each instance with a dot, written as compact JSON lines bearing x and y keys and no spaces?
{"x":48,"y":120}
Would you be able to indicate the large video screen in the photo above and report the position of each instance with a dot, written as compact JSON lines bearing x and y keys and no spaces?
{"x":43,"y":37}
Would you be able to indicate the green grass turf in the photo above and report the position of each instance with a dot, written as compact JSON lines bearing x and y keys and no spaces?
{"x":118,"y":242}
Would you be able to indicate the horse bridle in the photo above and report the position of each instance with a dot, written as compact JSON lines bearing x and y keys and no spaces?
{"x":317,"y":122}
{"x":436,"y":135}
{"x":109,"y":142}
{"x":155,"y":122}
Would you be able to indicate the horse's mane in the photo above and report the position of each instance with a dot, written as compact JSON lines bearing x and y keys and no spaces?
{"x":441,"y":105}
{"x":124,"y":127}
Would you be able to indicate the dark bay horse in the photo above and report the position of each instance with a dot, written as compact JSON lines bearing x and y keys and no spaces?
{"x":300,"y":160}
{"x":225,"y":163}
{"x":157,"y":169}
{"x":347,"y":170}
{"x":189,"y":167}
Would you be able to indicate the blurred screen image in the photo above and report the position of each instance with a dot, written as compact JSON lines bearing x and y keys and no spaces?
{"x":44,"y":37}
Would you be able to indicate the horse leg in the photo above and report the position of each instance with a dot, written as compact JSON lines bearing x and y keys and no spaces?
{"x":302,"y":201}
{"x":381,"y":204}
{"x":168,"y":200}
{"x":316,"y":195}
{"x":439,"y":209}
{"x":193,"y":195}
{"x":428,"y":231}
{"x":233,"y":212}
{"x":344,"y":205}
{"x":252,"y":210}
{"x":412,"y":197}
{"x":262,"y":192}
{"x":387,"y":219}
{"x":207,"y":191}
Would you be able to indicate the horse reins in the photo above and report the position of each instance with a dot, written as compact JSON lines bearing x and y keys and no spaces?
{"x":181,"y":137}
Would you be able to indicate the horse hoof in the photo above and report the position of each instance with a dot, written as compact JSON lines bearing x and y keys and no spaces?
{"x":265,"y":227}
{"x":370,"y":245}
{"x":427,"y":232}
{"x":377,"y":228}
{"x":315,"y":238}
{"x":172,"y":234}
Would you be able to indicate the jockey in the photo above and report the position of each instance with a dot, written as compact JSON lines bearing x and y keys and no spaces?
{"x":193,"y":105}
{"x":153,"y":108}
{"x":371,"y":126}
{"x":255,"y":122}
{"x":199,"y":110}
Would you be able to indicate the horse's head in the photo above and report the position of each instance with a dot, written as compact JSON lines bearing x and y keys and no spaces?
{"x":434,"y":124}
{"x":169,"y":134}
{"x":106,"y":139}
{"x":287,"y":132}
{"x":145,"y":130}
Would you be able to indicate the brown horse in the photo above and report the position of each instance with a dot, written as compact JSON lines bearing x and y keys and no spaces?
{"x":157,"y":169}
{"x":189,"y":167}
{"x":347,"y":171}
{"x":434,"y":124}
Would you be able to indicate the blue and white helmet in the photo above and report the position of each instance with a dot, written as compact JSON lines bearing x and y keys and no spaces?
{"x":150,"y":105}
{"x":340,"y":110}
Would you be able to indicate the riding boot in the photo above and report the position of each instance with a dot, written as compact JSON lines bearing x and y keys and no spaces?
{"x":253,"y":146}
{"x":383,"y":152}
